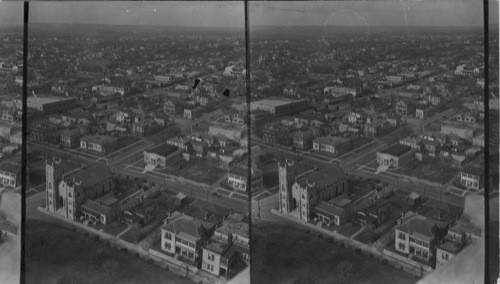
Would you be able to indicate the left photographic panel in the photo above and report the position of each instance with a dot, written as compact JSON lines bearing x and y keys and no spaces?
{"x":129,"y":147}
{"x":11,"y":70}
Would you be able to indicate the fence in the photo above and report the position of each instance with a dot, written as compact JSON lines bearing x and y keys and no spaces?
{"x":175,"y":266}
{"x":407,"y":265}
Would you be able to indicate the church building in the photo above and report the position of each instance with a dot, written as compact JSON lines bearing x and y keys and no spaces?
{"x":67,"y":188}
{"x":299,"y":196}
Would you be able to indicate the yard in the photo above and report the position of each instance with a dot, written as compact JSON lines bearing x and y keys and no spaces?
{"x":56,"y":254}
{"x":286,"y":254}
{"x":198,"y":169}
{"x":347,"y":229}
{"x":436,"y":169}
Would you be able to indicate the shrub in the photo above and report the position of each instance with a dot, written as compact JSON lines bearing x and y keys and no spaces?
{"x":320,"y":236}
{"x":124,"y":250}
{"x":167,"y":268}
{"x":330,"y":240}
{"x":150,"y":261}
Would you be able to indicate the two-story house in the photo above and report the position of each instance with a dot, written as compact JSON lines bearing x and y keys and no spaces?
{"x":229,"y":244}
{"x":185,"y":237}
{"x":472,"y":177}
{"x":70,"y":137}
{"x":238,"y":178}
{"x":303,"y":139}
{"x":419,"y":236}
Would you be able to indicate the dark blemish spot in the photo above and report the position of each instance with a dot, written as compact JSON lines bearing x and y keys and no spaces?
{"x":196,"y":82}
{"x":226,"y":92}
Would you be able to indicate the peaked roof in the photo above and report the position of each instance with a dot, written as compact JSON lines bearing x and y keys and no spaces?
{"x":421,"y":226}
{"x":328,"y":209}
{"x":324,"y":177}
{"x":88,"y":175}
{"x":188,"y":227}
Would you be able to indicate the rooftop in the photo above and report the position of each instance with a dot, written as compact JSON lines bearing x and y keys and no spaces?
{"x":46,"y":100}
{"x":451,"y":246}
{"x":235,"y":228}
{"x":188,"y":227}
{"x":274,"y":102}
{"x":328,"y":209}
{"x":95,"y":207}
{"x":88,"y":175}
{"x":98,"y":139}
{"x":331,"y":140}
{"x":322,"y":178}
{"x":421,"y":226}
{"x":465,"y":225}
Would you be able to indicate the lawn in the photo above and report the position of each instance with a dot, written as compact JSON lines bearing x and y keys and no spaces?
{"x":367,"y":237}
{"x":197,"y":169}
{"x":114,"y":228}
{"x":347,"y":230}
{"x":287,"y":254}
{"x":36,"y":171}
{"x":436,"y":169}
{"x":56,"y":254}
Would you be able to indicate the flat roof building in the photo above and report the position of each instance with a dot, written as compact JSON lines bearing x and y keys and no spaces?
{"x":48,"y":105}
{"x":279,"y":106}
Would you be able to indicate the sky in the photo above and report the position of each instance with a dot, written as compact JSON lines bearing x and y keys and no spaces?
{"x":11,"y":13}
{"x":262,"y":13}
{"x":368,"y":13}
{"x":191,"y":14}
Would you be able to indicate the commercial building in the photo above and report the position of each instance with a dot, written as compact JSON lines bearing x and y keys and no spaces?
{"x":395,"y":156}
{"x":108,"y":90}
{"x":162,"y":155}
{"x":340,"y":90}
{"x":230,"y":132}
{"x":280,"y":106}
{"x":70,"y":137}
{"x":99,"y":143}
{"x":331,"y":144}
{"x":49,"y":105}
{"x":461,"y":131}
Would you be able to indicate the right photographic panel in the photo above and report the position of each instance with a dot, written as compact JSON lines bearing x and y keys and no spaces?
{"x":368,"y":134}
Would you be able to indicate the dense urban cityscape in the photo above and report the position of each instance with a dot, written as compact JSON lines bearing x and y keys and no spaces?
{"x":359,"y":158}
